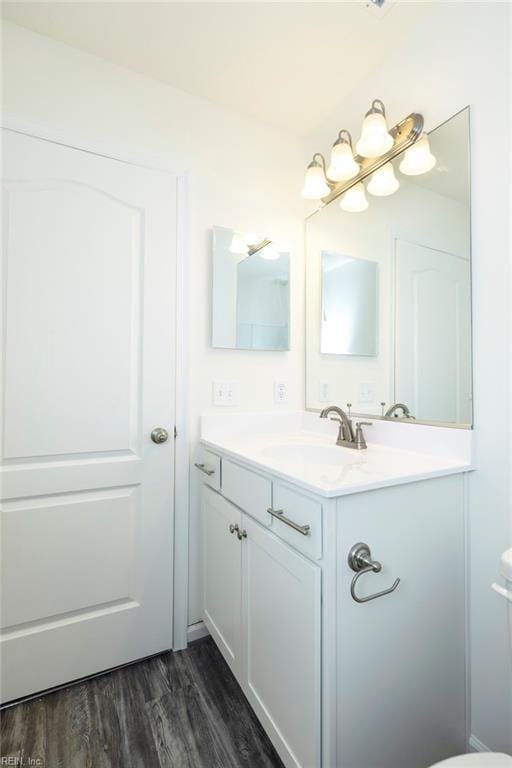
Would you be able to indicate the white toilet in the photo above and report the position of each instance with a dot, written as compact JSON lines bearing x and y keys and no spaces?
{"x":489,"y":759}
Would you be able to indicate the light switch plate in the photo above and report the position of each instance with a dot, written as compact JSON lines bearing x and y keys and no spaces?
{"x":323,"y":392}
{"x":280,"y":392}
{"x":366,"y":392}
{"x":224,"y":393}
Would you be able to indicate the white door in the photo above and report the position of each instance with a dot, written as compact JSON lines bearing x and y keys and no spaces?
{"x":222,"y":559}
{"x":433,"y":334}
{"x":88,"y":373}
{"x":282,"y":644}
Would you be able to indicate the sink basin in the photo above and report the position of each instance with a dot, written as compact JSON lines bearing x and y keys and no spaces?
{"x":313,"y":454}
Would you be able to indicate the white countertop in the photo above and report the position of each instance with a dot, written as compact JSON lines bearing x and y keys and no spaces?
{"x":300,"y":448}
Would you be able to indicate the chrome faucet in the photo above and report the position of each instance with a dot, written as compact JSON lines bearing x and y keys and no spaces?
{"x":346,"y":436}
{"x":392,"y":412}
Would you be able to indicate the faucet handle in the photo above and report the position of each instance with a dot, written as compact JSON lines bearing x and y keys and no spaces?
{"x":359,"y":438}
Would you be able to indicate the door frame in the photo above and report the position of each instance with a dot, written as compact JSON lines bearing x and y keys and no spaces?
{"x":180,"y":544}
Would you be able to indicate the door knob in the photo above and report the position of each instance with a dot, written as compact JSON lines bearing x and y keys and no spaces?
{"x":159,"y":435}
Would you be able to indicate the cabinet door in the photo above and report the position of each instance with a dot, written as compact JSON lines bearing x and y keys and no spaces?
{"x":222,"y":558}
{"x":401,"y":659}
{"x":282,"y":614}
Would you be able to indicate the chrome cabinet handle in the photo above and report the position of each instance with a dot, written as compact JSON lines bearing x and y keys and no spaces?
{"x":360,"y":561}
{"x":205,"y":469}
{"x":241,"y":534}
{"x":279,"y":515}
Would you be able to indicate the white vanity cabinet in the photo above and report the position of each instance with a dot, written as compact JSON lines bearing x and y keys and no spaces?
{"x":401,"y":658}
{"x":262,"y":607}
{"x":222,"y":569}
{"x":338,"y":683}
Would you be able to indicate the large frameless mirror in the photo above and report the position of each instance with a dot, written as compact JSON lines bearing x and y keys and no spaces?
{"x":388,"y":294}
{"x":250,"y":292}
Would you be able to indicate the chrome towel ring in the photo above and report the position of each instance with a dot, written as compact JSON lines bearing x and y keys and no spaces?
{"x":360,"y":561}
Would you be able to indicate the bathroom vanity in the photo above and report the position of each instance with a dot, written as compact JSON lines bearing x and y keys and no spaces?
{"x":336,"y":676}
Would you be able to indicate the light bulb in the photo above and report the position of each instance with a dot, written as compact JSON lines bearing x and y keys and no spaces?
{"x":343,"y":166}
{"x":270,"y":253}
{"x":375,"y":139}
{"x":418,"y":158}
{"x":383,"y":181}
{"x":251,"y":238}
{"x":238,"y":244}
{"x":354,"y":200}
{"x":315,"y":184}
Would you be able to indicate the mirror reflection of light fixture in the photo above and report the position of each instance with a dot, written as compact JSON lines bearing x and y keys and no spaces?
{"x":315,"y":183}
{"x":343,"y":166}
{"x":418,"y":159}
{"x":238,"y":244}
{"x":354,"y":200}
{"x":269,"y":252}
{"x":383,"y":181}
{"x":375,"y":139}
{"x":251,"y":238}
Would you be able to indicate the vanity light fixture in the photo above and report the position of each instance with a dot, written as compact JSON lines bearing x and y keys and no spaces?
{"x":269,"y":253}
{"x":418,"y":159}
{"x":354,"y":200}
{"x":375,"y":139}
{"x":383,"y":181}
{"x":238,"y":244}
{"x":315,"y":183}
{"x":343,"y":166}
{"x":251,"y":238}
{"x":326,"y":187}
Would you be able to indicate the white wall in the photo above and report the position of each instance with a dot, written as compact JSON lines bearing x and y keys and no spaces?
{"x":240,"y":174}
{"x":459,"y":56}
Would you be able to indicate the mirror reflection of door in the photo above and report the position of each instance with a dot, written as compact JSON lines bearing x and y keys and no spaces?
{"x":433,"y":333}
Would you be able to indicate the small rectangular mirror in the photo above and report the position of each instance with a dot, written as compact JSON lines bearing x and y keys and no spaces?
{"x":349,"y":305}
{"x":250,"y":292}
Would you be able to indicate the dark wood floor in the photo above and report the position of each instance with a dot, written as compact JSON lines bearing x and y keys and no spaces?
{"x":177,"y":710}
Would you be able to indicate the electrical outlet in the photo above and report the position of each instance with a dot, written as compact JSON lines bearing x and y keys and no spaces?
{"x":224,"y":393}
{"x":280,"y":392}
{"x":366,"y":392}
{"x":323,"y":392}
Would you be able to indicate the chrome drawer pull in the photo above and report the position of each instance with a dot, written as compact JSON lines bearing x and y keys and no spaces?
{"x":205,"y":469}
{"x":279,"y":515}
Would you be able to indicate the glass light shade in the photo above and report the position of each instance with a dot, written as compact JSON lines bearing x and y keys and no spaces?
{"x":251,"y":238}
{"x":418,"y":158}
{"x":375,"y":139}
{"x":343,"y":166}
{"x":238,"y":244}
{"x":383,"y":181}
{"x":315,"y":185}
{"x":270,"y":253}
{"x":354,"y":200}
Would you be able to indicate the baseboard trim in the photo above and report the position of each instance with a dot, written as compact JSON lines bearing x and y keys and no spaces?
{"x":475,"y":745}
{"x":196,"y":631}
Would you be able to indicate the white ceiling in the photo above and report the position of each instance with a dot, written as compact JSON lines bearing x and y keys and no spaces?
{"x":284,"y":63}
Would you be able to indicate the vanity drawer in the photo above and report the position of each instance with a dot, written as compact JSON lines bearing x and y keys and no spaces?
{"x":208,"y":467}
{"x":247,"y":489}
{"x":295,"y":512}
